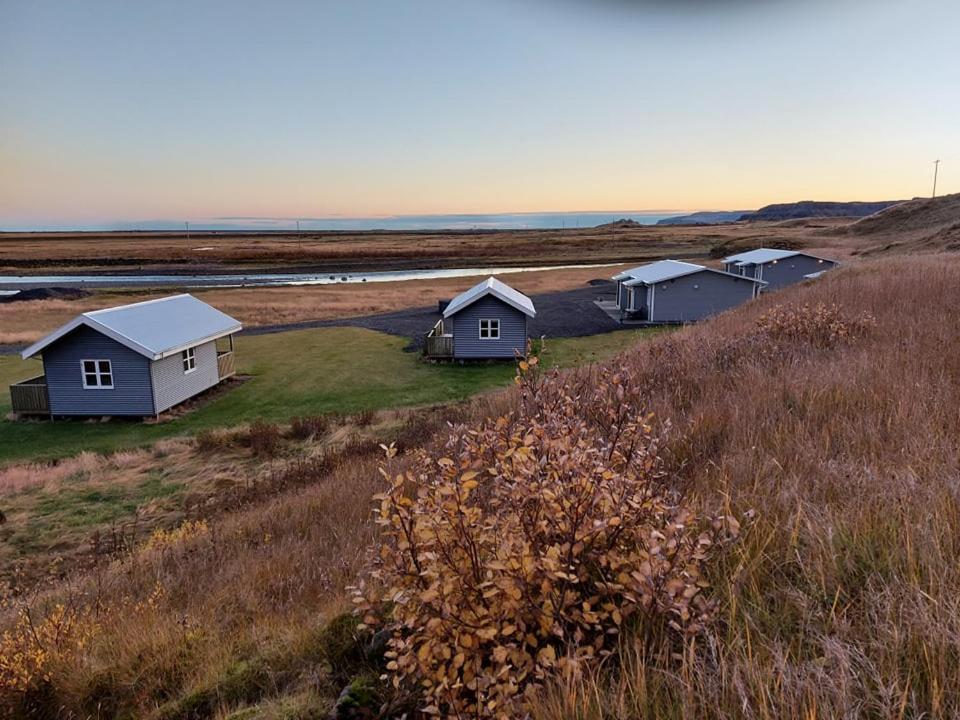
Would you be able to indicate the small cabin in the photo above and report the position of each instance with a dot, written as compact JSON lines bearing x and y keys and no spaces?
{"x":672,"y":291}
{"x":777,"y":268}
{"x":133,"y":360}
{"x":488,"y":321}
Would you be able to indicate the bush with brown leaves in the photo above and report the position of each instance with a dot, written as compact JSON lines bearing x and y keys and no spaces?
{"x":527,"y":548}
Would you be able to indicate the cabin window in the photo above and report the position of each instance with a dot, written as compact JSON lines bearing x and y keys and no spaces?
{"x":189,"y":360}
{"x":489,"y":329}
{"x":97,"y":374}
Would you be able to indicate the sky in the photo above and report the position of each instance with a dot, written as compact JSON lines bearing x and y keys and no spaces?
{"x":147,"y":111}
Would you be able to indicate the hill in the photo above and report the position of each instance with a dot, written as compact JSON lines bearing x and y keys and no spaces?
{"x":814,"y":208}
{"x":791,"y":413}
{"x":921,"y":224}
{"x":705,"y":217}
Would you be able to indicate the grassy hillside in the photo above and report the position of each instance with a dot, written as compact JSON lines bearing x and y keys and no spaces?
{"x":306,"y":372}
{"x":835,"y":427}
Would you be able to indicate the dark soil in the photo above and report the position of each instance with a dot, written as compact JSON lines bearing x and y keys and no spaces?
{"x":52,"y":293}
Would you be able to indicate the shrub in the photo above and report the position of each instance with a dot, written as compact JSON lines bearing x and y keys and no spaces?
{"x":209,"y":441}
{"x":263,"y":439}
{"x":527,"y":549}
{"x":34,"y":645}
{"x":304,"y":428}
{"x":786,"y":331}
{"x":365,"y":418}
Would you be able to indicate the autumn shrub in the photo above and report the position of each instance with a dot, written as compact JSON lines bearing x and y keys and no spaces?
{"x":311,"y":426}
{"x":787,"y":331}
{"x":209,"y":441}
{"x":36,"y":643}
{"x":264,"y":439}
{"x":365,"y":418}
{"x":528,"y":547}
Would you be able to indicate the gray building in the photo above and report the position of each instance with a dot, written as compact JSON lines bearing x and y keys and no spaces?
{"x":777,"y":268}
{"x":138,"y":359}
{"x":487,"y":321}
{"x":671,"y":291}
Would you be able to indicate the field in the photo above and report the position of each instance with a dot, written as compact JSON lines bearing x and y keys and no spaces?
{"x":200,"y":568}
{"x":36,"y":253}
{"x":840,"y":599}
{"x":342,"y":370}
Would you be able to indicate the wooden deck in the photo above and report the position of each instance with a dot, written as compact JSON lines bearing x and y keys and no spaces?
{"x":30,"y":397}
{"x":438,"y":344}
{"x":226,"y":365}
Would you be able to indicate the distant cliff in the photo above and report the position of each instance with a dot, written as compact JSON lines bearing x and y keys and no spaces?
{"x":811,"y":208}
{"x":705,"y":218}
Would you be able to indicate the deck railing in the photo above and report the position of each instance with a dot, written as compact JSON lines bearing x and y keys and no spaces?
{"x":440,"y":346}
{"x":437,"y":343}
{"x":226,"y":365}
{"x":30,"y":397}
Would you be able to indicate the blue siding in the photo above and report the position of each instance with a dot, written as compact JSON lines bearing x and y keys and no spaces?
{"x":694,"y":297}
{"x":132,"y":392}
{"x":171,"y":385}
{"x":791,"y":270}
{"x":466,"y":330}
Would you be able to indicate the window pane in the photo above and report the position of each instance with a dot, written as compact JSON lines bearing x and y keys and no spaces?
{"x":89,"y":366}
{"x":90,"y":380}
{"x":104,"y":366}
{"x":106,"y":380}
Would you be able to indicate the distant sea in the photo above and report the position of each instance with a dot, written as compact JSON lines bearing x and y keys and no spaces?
{"x":496,"y":221}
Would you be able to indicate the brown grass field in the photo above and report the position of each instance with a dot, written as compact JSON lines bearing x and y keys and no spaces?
{"x":842,"y":598}
{"x":36,"y":253}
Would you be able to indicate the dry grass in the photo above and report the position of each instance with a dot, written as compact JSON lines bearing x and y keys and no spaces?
{"x":345,"y":251}
{"x":841,"y":600}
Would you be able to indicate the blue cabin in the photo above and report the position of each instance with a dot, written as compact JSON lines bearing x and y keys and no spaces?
{"x":671,"y":291}
{"x":134,"y":360}
{"x":488,"y":321}
{"x":777,"y":268}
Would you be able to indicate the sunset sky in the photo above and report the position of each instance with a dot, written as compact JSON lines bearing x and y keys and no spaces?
{"x":138,"y":111}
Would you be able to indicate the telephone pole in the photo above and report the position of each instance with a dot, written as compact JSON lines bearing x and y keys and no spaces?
{"x":936,"y":166}
{"x":187,"y":226}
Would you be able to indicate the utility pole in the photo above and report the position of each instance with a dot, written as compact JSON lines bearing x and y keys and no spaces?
{"x":187,"y":225}
{"x":936,"y":166}
{"x":299,"y":244}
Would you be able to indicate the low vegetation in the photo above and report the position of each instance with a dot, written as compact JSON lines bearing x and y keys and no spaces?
{"x":840,"y":598}
{"x":306,"y":372}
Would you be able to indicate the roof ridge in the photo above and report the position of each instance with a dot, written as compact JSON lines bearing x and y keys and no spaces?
{"x":91,"y":313}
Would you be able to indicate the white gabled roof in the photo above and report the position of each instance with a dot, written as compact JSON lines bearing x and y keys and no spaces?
{"x":658,"y":272}
{"x":760,"y":256}
{"x":664,"y":270}
{"x":491,"y":286}
{"x":154,"y":328}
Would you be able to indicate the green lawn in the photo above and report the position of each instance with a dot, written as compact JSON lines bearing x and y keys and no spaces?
{"x":305,"y":372}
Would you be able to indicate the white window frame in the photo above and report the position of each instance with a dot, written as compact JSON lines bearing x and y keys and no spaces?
{"x":492,"y":323}
{"x":98,"y":373}
{"x":189,"y":359}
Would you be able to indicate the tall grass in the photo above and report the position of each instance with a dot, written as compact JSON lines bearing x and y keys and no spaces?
{"x":842,"y":599}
